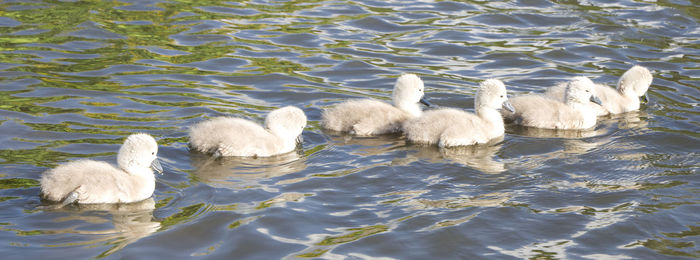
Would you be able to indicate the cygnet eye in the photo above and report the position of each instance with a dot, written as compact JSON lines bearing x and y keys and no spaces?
{"x":587,"y":91}
{"x":501,"y":96}
{"x":153,"y":153}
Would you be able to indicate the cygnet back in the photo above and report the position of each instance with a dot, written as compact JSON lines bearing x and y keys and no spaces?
{"x":366,"y":117}
{"x":543,"y":112}
{"x":631,"y":87}
{"x":449,"y":127}
{"x":635,"y":81}
{"x":88,"y":181}
{"x":288,"y":123}
{"x":229,"y":136}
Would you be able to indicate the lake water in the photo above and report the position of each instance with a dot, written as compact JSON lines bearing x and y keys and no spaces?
{"x":77,"y":77}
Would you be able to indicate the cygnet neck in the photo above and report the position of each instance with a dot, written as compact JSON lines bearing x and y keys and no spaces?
{"x":412,"y":108}
{"x":137,"y":170}
{"x":626,"y":91}
{"x":587,"y":112}
{"x":631,"y":99}
{"x":491,"y":116}
{"x":132,"y":166}
{"x":288,"y":140}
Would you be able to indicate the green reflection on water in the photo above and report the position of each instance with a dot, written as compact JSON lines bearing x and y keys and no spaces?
{"x":129,"y":45}
{"x":186,"y":213}
{"x":230,"y":207}
{"x":694,"y":231}
{"x":29,"y":105}
{"x":116,"y":126}
{"x":99,"y":104}
{"x":282,"y":198}
{"x":357,"y":233}
{"x":653,"y":208}
{"x":335,"y":174}
{"x":25,"y":232}
{"x":168,"y":141}
{"x":314,"y":150}
{"x":67,"y":127}
{"x":668,"y":247}
{"x":41,"y":156}
{"x":241,"y":222}
{"x":315,"y":253}
{"x":16,"y":183}
{"x":275,"y":65}
{"x":117,"y":117}
{"x":214,"y":101}
{"x":453,"y":222}
{"x":651,"y":186}
{"x":163,"y":202}
{"x":8,"y":198}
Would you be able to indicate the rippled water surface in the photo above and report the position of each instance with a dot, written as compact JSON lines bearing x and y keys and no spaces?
{"x":77,"y":77}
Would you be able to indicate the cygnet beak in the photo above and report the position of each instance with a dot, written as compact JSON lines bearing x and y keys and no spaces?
{"x":508,"y":106}
{"x":425,"y":102}
{"x":155,"y":165}
{"x":645,"y":99}
{"x":596,"y":100}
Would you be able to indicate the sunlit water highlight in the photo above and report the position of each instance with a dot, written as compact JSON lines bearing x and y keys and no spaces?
{"x":78,"y":77}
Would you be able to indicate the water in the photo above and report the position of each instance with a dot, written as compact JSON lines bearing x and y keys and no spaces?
{"x":78,"y":77}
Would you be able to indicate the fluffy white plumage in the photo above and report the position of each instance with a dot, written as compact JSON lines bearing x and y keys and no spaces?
{"x":631,"y":87}
{"x":544,"y":112}
{"x":88,"y":181}
{"x":450,"y":127}
{"x":228,"y":136}
{"x":366,"y":117}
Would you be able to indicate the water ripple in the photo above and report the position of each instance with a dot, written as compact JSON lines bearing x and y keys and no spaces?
{"x":78,"y":77}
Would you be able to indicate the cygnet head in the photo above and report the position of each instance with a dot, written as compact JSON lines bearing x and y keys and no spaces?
{"x":287,"y":122}
{"x":139,"y":152}
{"x":408,"y":91}
{"x":635,"y":82}
{"x":492,"y":94}
{"x":581,"y":90}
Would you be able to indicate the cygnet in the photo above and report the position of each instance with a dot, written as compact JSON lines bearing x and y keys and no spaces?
{"x":367,"y":117}
{"x":229,"y":136}
{"x":88,"y":181}
{"x":631,"y":88}
{"x":449,"y":127}
{"x":544,"y":112}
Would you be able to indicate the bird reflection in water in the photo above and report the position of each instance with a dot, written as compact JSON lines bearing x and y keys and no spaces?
{"x":573,"y":141}
{"x":481,"y":157}
{"x":130,"y":222}
{"x":241,"y":172}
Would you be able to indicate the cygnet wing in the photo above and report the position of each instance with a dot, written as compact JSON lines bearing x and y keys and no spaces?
{"x":431,"y":124}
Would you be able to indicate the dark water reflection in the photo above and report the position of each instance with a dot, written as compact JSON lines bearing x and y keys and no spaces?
{"x":77,"y":77}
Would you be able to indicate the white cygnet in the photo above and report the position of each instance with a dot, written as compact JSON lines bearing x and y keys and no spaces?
{"x":366,"y":117}
{"x":449,"y":127}
{"x":88,"y":181}
{"x":229,"y":136}
{"x":543,"y":112}
{"x":631,"y":87}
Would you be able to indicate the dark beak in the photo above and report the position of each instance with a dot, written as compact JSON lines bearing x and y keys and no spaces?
{"x":508,"y":106}
{"x":425,"y":102}
{"x":645,"y":99}
{"x":596,"y":100}
{"x":155,"y":165}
